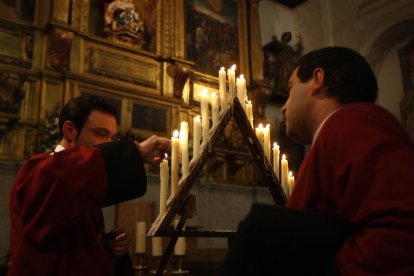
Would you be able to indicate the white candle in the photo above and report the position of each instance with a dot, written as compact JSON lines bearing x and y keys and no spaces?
{"x":156,"y":246}
{"x":241,"y":90}
{"x":266,"y":141}
{"x":222,"y":89}
{"x":140,"y":237}
{"x":231,"y":75}
{"x":259,"y":134}
{"x":175,"y":147}
{"x":184,"y":148}
{"x":214,"y":108}
{"x":276,"y":153}
{"x":164,"y":175}
{"x":196,"y":136}
{"x":284,"y":175}
{"x":205,"y":120}
{"x":249,"y":112}
{"x":291,"y":182}
{"x":179,"y":249}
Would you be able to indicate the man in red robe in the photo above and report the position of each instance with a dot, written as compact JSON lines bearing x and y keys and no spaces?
{"x":352,"y":209}
{"x":56,"y":199}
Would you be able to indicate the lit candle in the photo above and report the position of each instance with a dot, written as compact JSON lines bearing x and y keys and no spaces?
{"x":140,"y":237}
{"x":196,"y":136}
{"x":249,"y":112}
{"x":259,"y":133}
{"x":222,"y":89}
{"x":184,"y":148}
{"x":266,"y":141}
{"x":231,"y":75}
{"x":205,"y":120}
{"x":284,"y":175}
{"x":241,"y":90}
{"x":156,"y":244}
{"x":175,"y":147}
{"x":179,"y":249}
{"x":214,"y":108}
{"x":276,"y":153}
{"x":291,"y":182}
{"x":164,"y":175}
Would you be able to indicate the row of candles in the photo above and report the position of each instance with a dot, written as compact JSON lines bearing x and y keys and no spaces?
{"x":201,"y":128}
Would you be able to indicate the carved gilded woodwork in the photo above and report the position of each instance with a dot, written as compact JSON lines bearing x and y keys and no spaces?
{"x":142,"y":71}
{"x":16,"y":44}
{"x":72,"y":57}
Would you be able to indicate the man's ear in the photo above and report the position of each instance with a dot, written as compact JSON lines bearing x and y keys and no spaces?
{"x":318,"y":78}
{"x":70,"y":131}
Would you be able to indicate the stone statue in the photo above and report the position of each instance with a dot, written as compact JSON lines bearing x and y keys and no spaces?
{"x":279,"y":62}
{"x":123,"y":22}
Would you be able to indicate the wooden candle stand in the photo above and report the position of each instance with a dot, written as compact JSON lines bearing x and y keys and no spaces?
{"x":184,"y":202}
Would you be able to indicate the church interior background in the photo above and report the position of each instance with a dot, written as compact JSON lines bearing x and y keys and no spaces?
{"x":153,"y":58}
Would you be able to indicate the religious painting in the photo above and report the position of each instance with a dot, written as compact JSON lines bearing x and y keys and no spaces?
{"x":150,"y":119}
{"x":212,"y":34}
{"x":58,"y":51}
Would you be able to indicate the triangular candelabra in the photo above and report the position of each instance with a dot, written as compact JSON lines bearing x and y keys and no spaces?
{"x":183,"y":204}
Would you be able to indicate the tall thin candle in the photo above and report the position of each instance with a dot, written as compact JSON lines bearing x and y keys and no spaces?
{"x":184,"y":148}
{"x":231,"y":75}
{"x":222,"y":89}
{"x":175,"y":147}
{"x":284,"y":175}
{"x":196,"y":136}
{"x":214,"y":108}
{"x":276,"y":166}
{"x":205,"y":120}
{"x":164,"y":176}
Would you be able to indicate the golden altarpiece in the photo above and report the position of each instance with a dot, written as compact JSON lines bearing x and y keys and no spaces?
{"x":139,"y":59}
{"x":53,"y":50}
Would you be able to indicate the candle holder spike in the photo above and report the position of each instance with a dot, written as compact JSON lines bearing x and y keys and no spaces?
{"x":140,"y":262}
{"x":180,"y":270}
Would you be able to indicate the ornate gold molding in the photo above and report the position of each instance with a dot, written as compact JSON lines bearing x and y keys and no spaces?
{"x":16,"y":44}
{"x":122,"y":67}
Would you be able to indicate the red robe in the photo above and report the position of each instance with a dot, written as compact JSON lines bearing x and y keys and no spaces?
{"x":361,"y":166}
{"x":56,"y":226}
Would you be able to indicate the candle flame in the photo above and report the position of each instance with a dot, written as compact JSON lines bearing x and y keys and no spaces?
{"x":222,"y":69}
{"x":260,"y":125}
{"x":197,"y":117}
{"x":249,"y":102}
{"x":204,"y":92}
{"x":290,"y":174}
{"x":176,"y":134}
{"x":275,"y":145}
{"x":283,"y":157}
{"x":165,"y":156}
{"x":268,"y":126}
{"x":241,"y":76}
{"x":233,"y":67}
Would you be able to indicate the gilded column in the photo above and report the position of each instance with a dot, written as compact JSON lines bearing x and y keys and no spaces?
{"x":256,"y":54}
{"x":60,"y":10}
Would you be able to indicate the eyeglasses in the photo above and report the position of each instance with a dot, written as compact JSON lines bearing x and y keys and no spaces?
{"x":102,"y":133}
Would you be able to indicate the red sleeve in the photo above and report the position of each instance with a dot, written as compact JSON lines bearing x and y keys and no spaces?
{"x":52,"y":190}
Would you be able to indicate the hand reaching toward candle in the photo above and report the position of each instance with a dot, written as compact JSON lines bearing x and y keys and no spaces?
{"x":154,"y":149}
{"x":119,"y":242}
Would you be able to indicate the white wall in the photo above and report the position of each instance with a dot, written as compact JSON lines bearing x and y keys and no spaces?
{"x":374,"y":28}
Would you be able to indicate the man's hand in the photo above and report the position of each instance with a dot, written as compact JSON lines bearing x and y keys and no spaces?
{"x":120,"y":242}
{"x":154,"y":149}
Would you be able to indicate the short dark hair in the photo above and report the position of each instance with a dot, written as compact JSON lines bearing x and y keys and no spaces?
{"x":348,"y":76}
{"x":77,"y":110}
